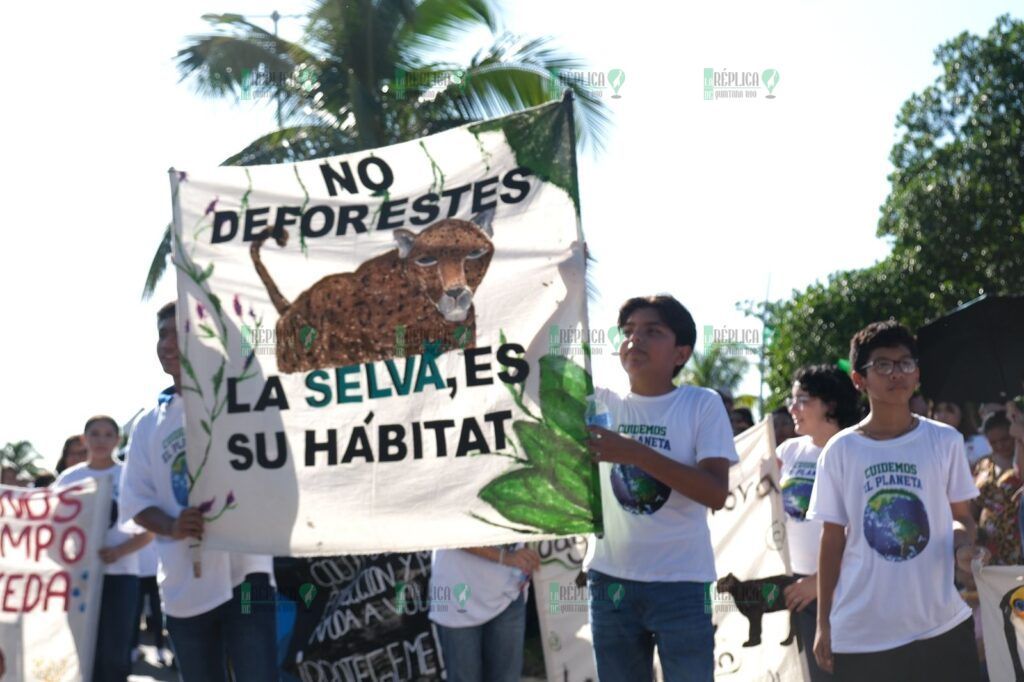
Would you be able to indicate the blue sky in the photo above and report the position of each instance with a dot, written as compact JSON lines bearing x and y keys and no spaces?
{"x":714,"y":202}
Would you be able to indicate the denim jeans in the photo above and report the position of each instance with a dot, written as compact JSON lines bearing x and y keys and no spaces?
{"x":629,"y":618}
{"x":149,"y":591}
{"x":492,"y":652}
{"x":114,"y":633}
{"x":244,"y":634}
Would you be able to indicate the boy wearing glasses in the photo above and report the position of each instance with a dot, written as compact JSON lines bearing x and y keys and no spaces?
{"x":893,"y":492}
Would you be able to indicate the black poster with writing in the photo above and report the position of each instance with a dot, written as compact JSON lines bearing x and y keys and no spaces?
{"x":360,"y":618}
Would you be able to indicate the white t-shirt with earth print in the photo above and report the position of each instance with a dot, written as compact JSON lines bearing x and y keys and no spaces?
{"x":893,"y":496}
{"x":799,"y":464}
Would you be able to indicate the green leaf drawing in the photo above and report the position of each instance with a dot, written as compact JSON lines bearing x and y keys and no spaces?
{"x":527,"y":496}
{"x":565,"y":463}
{"x":558,"y":491}
{"x":564,"y":387}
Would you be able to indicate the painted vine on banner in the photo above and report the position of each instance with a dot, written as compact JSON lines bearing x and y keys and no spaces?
{"x":364,"y":341}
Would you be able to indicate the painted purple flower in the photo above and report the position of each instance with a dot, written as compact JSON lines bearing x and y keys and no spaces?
{"x":252,"y":313}
{"x":231,"y":498}
{"x":200,"y":310}
{"x":212,"y":206}
{"x":249,"y":359}
{"x":238,"y":305}
{"x":205,"y":507}
{"x":182,"y":176}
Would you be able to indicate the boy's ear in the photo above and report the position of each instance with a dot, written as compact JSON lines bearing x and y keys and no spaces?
{"x":858,"y":380}
{"x":683,"y":354}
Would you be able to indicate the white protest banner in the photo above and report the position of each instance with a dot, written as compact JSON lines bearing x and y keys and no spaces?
{"x":1001,"y":592}
{"x":563,"y":610}
{"x":748,"y":536}
{"x":51,"y":579}
{"x":365,"y":344}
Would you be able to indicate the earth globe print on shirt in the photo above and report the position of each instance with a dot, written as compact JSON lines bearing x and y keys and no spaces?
{"x":637,"y":491}
{"x":896,"y":524}
{"x":796,"y":497}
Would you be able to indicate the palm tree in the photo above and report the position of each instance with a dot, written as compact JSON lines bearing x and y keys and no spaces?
{"x":20,"y":456}
{"x":715,"y":369}
{"x":367,"y":73}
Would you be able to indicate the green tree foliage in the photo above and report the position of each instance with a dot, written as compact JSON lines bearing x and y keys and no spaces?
{"x":955,"y":211}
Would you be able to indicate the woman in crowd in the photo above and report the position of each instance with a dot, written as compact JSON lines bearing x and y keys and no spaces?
{"x":974,"y":443}
{"x":74,"y":452}
{"x":118,"y":552}
{"x":823,"y":402}
{"x":995,"y":508}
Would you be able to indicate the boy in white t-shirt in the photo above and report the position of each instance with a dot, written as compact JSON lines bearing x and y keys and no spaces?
{"x":205,"y":618}
{"x":893,"y":494}
{"x":119,"y":554}
{"x":649,"y":574}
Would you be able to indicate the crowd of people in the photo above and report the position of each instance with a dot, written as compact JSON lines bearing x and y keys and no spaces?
{"x":867,"y":607}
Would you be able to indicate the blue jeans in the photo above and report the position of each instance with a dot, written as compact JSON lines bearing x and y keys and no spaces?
{"x":628,"y":618}
{"x":203,"y":644}
{"x":114,"y":634}
{"x":492,"y":652}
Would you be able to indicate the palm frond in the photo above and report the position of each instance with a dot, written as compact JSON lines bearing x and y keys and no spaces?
{"x":298,"y":143}
{"x":159,"y":264}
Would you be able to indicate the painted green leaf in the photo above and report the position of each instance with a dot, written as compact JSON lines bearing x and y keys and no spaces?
{"x":562,"y":372}
{"x":526,"y":496}
{"x":205,"y":274}
{"x":542,"y":140}
{"x":218,"y":377}
{"x":565,"y":463}
{"x":564,"y":387}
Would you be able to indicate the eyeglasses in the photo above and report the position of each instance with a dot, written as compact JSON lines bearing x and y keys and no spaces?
{"x":800,"y":400}
{"x":885,"y":367}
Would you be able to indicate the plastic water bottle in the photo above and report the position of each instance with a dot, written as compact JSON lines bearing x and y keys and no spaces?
{"x":597,"y":413}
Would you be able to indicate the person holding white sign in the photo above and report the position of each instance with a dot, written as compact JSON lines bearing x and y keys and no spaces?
{"x":205,"y":618}
{"x":119,"y":554}
{"x":648,"y":578}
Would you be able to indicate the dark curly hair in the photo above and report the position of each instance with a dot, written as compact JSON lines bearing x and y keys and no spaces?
{"x":834,"y":387}
{"x":887,"y":334}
